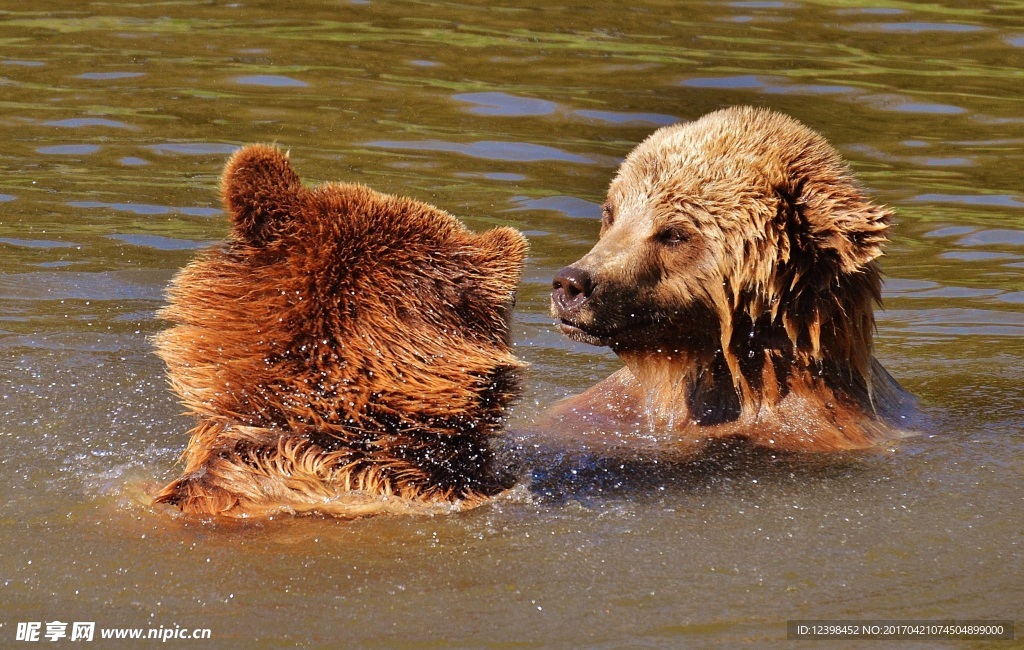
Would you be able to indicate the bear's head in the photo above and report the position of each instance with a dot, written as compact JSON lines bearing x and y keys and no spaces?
{"x":741,"y":237}
{"x":354,"y":320}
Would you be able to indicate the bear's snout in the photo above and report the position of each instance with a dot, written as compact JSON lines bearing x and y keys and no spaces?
{"x":570,"y":288}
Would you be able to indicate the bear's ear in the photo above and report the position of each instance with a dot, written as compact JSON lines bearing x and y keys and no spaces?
{"x":503,"y":252}
{"x":827,"y":282}
{"x":838,"y":225}
{"x":260,"y":191}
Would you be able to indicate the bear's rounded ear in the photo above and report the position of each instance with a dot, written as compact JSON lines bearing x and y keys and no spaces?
{"x":503,"y":253}
{"x":830,"y":224}
{"x":844,"y":227}
{"x":825,"y":286}
{"x":260,"y":191}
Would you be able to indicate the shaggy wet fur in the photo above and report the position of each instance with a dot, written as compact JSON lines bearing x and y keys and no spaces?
{"x":736,"y":276}
{"x":345,"y":352}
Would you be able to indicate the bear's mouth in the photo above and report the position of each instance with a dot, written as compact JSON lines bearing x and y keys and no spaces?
{"x":595,"y":336}
{"x":579,"y":332}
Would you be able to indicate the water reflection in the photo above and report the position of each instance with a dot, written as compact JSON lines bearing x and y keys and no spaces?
{"x":108,"y":76}
{"x":37,"y":243}
{"x":917,"y":28}
{"x":144,"y":208}
{"x":490,"y":150}
{"x":193,"y":148}
{"x":769,"y":85}
{"x":87,"y":121}
{"x":160,"y":243}
{"x":570,"y":206}
{"x":1002,"y":200}
{"x":276,"y":81}
{"x":616,"y":117}
{"x":503,"y":104}
{"x":69,"y":150}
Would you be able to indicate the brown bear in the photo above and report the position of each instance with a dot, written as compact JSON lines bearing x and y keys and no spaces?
{"x":735,"y":276}
{"x":345,"y":352}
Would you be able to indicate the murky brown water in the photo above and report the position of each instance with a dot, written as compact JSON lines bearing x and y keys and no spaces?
{"x":115,"y":121}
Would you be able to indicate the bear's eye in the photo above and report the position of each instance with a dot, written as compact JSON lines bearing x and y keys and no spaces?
{"x":673,"y":235}
{"x":607,"y":214}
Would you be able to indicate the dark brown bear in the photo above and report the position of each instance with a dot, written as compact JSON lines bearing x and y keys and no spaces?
{"x":346,"y":352}
{"x":736,"y":277}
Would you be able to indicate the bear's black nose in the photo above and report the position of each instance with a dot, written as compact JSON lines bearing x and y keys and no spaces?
{"x":570,"y":288}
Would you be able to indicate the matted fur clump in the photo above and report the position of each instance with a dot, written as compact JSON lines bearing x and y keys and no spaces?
{"x":736,"y":276}
{"x":345,"y":352}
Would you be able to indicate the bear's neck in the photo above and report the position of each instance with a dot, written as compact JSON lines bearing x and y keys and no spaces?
{"x":687,"y":388}
{"x":683,"y":386}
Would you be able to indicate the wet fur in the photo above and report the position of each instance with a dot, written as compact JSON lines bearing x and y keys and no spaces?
{"x":345,"y":352}
{"x":736,"y":276}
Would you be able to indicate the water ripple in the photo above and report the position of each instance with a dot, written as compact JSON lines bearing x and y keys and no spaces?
{"x":769,"y":85}
{"x":570,"y":206}
{"x":950,"y":231}
{"x":809,"y":89}
{"x":874,"y":11}
{"x":762,"y":4}
{"x":488,"y":149}
{"x":735,"y":82}
{"x":616,"y":117}
{"x":901,"y":104}
{"x":996,"y":200}
{"x":996,"y":236}
{"x":277,"y":81}
{"x":977,"y":256}
{"x":917,"y":27}
{"x":69,"y":150}
{"x":87,"y":121}
{"x":160,"y":242}
{"x":194,"y":148}
{"x":70,"y":285}
{"x":954,"y":321}
{"x":783,"y":86}
{"x":37,"y":243}
{"x":503,"y":104}
{"x":107,"y":76}
{"x":147,"y":208}
{"x":494,"y":176}
{"x":1015,"y":297}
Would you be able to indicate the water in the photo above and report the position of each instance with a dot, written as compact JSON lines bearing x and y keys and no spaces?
{"x":115,"y":123}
